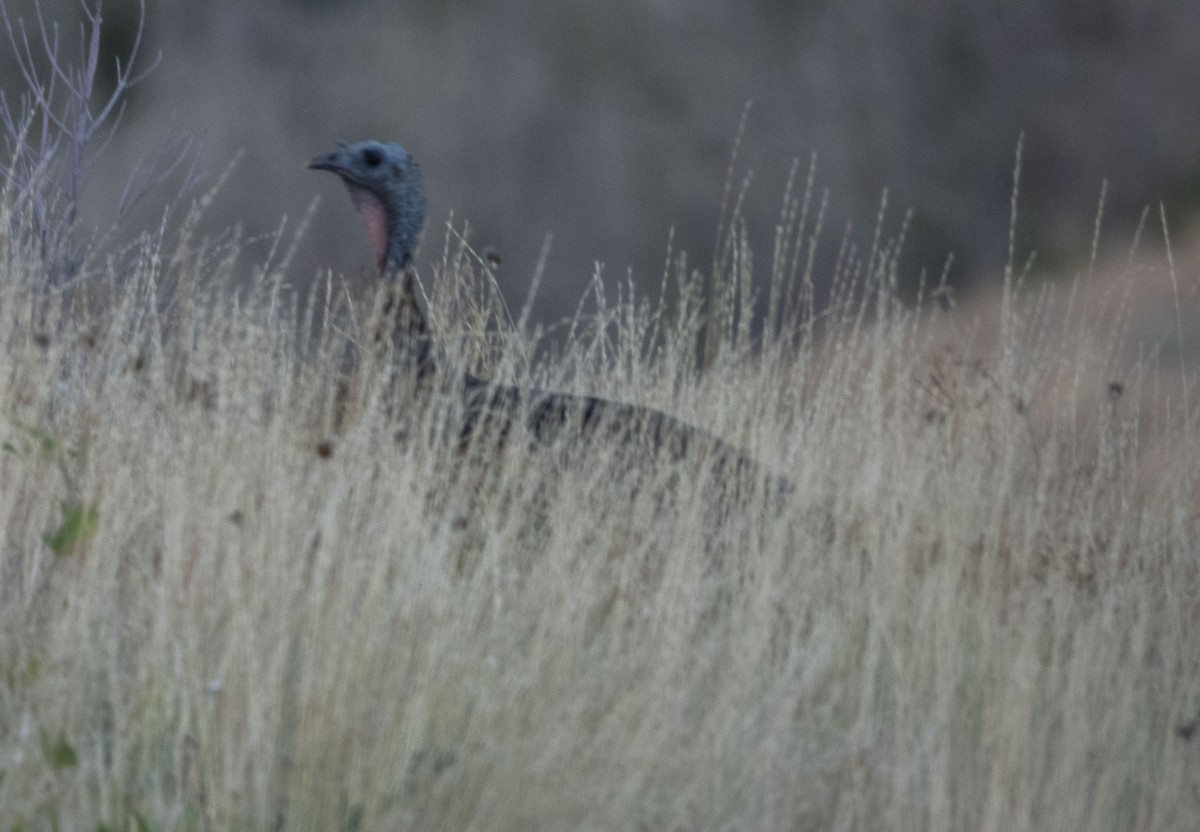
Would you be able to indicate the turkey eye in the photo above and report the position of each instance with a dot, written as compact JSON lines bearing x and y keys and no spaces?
{"x":372,"y":157}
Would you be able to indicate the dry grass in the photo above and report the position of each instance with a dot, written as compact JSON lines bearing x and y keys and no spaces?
{"x":217,"y":613}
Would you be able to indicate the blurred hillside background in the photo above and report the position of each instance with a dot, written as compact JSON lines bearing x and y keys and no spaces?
{"x":607,"y":124}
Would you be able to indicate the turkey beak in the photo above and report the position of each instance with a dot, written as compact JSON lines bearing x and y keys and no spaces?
{"x":327,"y":161}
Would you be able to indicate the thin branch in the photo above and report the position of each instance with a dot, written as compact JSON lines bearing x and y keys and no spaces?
{"x":54,"y":134}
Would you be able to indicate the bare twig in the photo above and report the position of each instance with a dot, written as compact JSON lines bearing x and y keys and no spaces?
{"x":55,"y":134}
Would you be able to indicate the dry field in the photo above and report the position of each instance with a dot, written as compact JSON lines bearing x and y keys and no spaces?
{"x":977,"y":608}
{"x":235,"y":598}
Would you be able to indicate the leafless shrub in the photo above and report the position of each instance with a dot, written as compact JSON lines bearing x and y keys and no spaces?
{"x":56,"y":132}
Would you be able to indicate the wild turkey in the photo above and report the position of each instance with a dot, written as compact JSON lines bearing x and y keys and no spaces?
{"x":387,"y":189}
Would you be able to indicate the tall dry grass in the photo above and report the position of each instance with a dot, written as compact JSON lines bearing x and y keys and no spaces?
{"x":975,"y":611}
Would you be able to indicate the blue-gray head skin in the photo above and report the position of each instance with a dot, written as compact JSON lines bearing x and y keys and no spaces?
{"x":387,"y":190}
